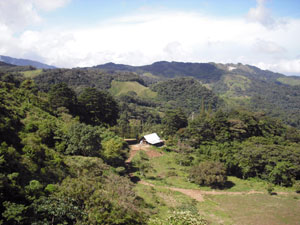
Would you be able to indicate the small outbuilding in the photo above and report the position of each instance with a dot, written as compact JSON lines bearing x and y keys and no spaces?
{"x":152,"y":139}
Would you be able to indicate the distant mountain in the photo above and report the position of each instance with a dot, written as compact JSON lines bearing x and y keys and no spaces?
{"x":207,"y":72}
{"x":237,"y":84}
{"x":25,"y":62}
{"x":3,"y":64}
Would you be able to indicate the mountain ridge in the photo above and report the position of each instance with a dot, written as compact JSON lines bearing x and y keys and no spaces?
{"x":25,"y":62}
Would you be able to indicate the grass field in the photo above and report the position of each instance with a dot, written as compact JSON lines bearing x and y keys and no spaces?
{"x":32,"y":73}
{"x":289,"y":80}
{"x":233,"y":205}
{"x":119,"y":87}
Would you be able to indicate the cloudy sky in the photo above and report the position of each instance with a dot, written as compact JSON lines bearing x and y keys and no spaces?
{"x":71,"y":33}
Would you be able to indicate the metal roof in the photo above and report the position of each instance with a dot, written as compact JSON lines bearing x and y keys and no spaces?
{"x":152,"y":138}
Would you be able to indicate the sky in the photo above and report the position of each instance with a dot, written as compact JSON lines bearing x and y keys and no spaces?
{"x":77,"y":33}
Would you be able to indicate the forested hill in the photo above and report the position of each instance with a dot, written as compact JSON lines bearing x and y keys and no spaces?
{"x":237,"y":85}
{"x":204,"y":71}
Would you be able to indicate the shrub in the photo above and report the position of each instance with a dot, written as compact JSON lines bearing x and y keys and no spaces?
{"x":297,"y":186}
{"x":180,"y":218}
{"x":270,"y":189}
{"x":208,"y":174}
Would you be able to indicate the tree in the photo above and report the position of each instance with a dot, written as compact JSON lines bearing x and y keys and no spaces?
{"x":209,"y":174}
{"x":173,"y":121}
{"x":114,"y":151}
{"x":60,"y":95}
{"x":83,"y":140}
{"x":98,"y":107}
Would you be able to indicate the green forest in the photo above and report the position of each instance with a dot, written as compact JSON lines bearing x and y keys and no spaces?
{"x":64,"y":154}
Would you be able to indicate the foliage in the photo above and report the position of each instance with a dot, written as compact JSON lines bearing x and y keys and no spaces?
{"x":270,"y":189}
{"x":98,"y":107}
{"x":173,"y":121}
{"x":13,"y":212}
{"x":186,"y":93}
{"x":180,"y":218}
{"x":297,"y":186}
{"x":141,"y":162}
{"x":208,"y":174}
{"x":83,"y":140}
{"x":60,"y":95}
{"x":114,"y":151}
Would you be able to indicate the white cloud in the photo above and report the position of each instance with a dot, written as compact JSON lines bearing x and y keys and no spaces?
{"x":173,"y":36}
{"x":263,"y":15}
{"x":289,"y":67}
{"x":268,"y":47}
{"x":18,"y":14}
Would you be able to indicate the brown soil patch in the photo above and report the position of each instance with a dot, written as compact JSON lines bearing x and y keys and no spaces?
{"x":142,"y":147}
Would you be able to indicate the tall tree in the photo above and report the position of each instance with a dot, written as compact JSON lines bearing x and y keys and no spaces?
{"x":60,"y":95}
{"x":98,"y":107}
{"x":173,"y":121}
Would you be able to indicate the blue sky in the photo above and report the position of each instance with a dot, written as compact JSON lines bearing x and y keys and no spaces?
{"x":70,"y":33}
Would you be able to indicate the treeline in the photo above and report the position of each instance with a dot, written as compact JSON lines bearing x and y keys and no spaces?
{"x":80,"y":78}
{"x":247,"y":144}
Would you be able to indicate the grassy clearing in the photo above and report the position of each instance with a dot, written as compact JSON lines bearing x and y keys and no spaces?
{"x":293,"y":81}
{"x":162,"y":200}
{"x":150,"y":75}
{"x":167,"y":172}
{"x":31,"y":73}
{"x":237,"y":82}
{"x":260,"y":208}
{"x":119,"y":87}
{"x":251,"y":209}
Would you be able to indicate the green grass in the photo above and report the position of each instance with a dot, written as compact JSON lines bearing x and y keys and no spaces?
{"x":251,"y":209}
{"x":259,"y":208}
{"x":31,"y":73}
{"x":119,"y":87}
{"x":289,"y":80}
{"x":150,"y":75}
{"x":162,"y":200}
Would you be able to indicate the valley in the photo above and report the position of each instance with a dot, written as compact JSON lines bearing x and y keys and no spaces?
{"x":230,"y":154}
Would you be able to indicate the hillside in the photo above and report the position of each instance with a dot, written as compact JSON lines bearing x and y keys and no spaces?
{"x":118,"y":88}
{"x":237,"y":84}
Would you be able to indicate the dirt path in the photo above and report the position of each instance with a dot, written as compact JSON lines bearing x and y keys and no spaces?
{"x":198,"y":194}
{"x":193,"y":193}
{"x":142,"y":147}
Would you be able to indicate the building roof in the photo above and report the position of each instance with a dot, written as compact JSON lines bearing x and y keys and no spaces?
{"x":153,"y":138}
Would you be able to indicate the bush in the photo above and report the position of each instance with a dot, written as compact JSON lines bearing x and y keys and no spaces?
{"x":270,"y":189}
{"x":297,"y":186}
{"x":208,"y":174}
{"x":83,"y":140}
{"x":180,"y":218}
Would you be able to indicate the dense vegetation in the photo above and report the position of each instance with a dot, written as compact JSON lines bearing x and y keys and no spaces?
{"x":186,"y":93}
{"x":55,"y":169}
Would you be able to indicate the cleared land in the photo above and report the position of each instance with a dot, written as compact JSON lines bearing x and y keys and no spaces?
{"x":244,"y":202}
{"x":120,"y":87}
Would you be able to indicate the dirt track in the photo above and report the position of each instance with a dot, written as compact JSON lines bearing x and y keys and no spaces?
{"x":198,"y":194}
{"x":193,"y":193}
